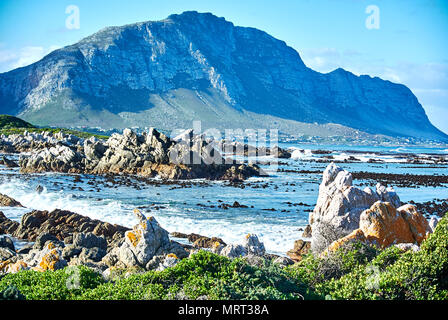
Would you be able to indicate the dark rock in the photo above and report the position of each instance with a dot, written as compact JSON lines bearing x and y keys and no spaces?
{"x":94,"y":254}
{"x":63,"y":224}
{"x":42,"y":239}
{"x":7,"y":226}
{"x":307,"y":232}
{"x":300,"y":249}
{"x":6,"y":242}
{"x":89,"y":240}
{"x":9,"y":163}
{"x":6,"y":201}
{"x":70,"y":252}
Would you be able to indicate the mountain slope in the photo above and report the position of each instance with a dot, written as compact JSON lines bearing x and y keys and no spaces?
{"x":196,"y":66}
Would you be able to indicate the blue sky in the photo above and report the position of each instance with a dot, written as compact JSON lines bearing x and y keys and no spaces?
{"x":410,"y":46}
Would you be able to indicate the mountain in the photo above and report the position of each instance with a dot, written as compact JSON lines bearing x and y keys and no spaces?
{"x":196,"y":66}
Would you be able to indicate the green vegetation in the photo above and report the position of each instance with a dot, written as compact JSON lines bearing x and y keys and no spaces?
{"x":12,"y":125}
{"x":10,"y":122}
{"x":203,"y":274}
{"x":355,"y":272}
{"x":381,"y":274}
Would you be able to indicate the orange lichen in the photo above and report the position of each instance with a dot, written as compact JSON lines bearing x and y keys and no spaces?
{"x":50,"y":246}
{"x":49,"y":260}
{"x":384,"y":226}
{"x":3,"y":266}
{"x":357,"y":235}
{"x":172,"y":255}
{"x":134,"y":237}
{"x":16,"y":267}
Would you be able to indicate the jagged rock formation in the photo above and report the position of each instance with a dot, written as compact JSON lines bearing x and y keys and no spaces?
{"x":149,"y":154}
{"x":62,"y":224}
{"x":196,"y":66}
{"x":339,"y":206}
{"x":344,"y":214}
{"x":32,"y":141}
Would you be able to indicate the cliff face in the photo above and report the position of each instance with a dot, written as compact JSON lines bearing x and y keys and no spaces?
{"x":196,"y":66}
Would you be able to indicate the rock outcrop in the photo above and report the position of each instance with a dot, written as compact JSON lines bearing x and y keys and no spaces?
{"x":32,"y":141}
{"x":6,"y":201}
{"x":345,"y":214}
{"x":340,"y":204}
{"x":63,"y":238}
{"x":384,"y":225}
{"x":149,"y":154}
{"x":63,"y":224}
{"x":145,"y":242}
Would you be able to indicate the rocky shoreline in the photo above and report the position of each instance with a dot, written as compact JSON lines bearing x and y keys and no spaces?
{"x":345,"y":214}
{"x":63,"y":238}
{"x":150,"y":154}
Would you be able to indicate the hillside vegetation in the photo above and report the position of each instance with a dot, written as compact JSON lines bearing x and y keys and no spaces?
{"x":13,"y":125}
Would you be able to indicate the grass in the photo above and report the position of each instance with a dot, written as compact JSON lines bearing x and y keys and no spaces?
{"x":12,"y":125}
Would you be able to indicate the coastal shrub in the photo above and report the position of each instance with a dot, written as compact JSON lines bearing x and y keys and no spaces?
{"x":52,"y":285}
{"x":315,"y":270}
{"x":394,"y":275}
{"x":11,"y":293}
{"x":203,"y":275}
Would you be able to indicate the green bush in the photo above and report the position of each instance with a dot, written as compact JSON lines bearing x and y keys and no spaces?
{"x":388,"y":274}
{"x":204,"y":274}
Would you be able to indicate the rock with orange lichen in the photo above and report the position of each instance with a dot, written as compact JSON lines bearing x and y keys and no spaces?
{"x":383,"y":225}
{"x":146,"y":240}
{"x":253,"y":245}
{"x":49,"y":258}
{"x":300,"y":249}
{"x":16,"y":267}
{"x":355,"y":236}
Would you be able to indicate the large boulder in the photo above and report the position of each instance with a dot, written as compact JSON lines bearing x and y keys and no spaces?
{"x":384,"y":225}
{"x":146,"y":240}
{"x":63,"y":224}
{"x":339,"y":206}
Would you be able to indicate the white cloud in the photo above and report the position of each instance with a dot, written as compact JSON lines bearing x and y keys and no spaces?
{"x":12,"y":59}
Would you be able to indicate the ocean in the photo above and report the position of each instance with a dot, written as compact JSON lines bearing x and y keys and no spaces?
{"x":277,"y":206}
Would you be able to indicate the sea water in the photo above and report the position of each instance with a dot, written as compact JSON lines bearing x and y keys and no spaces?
{"x":274,"y":211}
